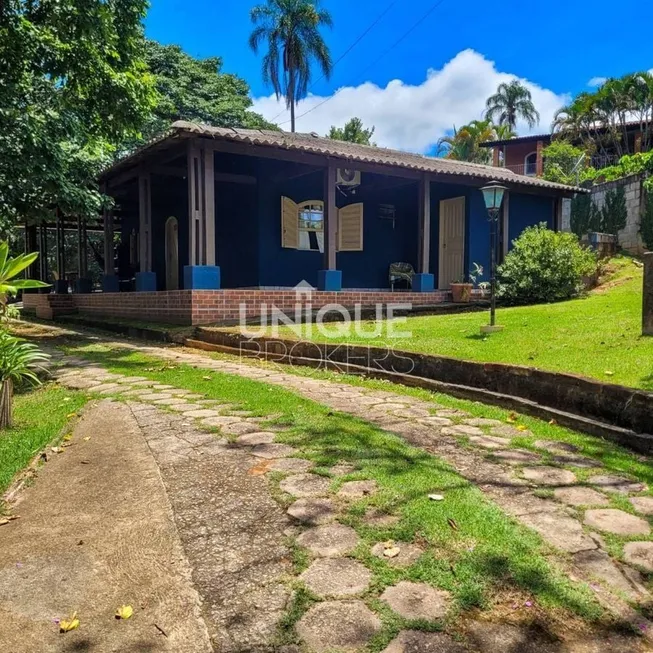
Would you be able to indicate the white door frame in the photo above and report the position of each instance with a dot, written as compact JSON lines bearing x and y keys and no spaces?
{"x":440,"y":240}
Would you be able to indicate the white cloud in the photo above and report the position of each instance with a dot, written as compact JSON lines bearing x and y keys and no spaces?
{"x":410,"y":117}
{"x":597,"y":81}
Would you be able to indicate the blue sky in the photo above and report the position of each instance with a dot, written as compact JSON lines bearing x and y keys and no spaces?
{"x":468,"y":47}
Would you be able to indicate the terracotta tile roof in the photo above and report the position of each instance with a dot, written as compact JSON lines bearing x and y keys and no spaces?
{"x":350,"y":152}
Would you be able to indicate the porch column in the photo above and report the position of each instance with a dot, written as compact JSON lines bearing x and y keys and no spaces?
{"x":145,"y":279}
{"x":43,"y":254}
{"x":110,"y":279}
{"x":539,"y":161}
{"x":31,"y":245}
{"x":330,"y":278}
{"x":60,"y":285}
{"x":424,"y":281}
{"x":201,"y":273}
{"x":83,"y":284}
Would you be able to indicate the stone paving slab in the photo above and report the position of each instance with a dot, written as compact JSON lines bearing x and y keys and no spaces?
{"x":416,"y":601}
{"x":305,"y":485}
{"x":618,"y":522}
{"x":544,"y":475}
{"x":337,"y":577}
{"x":338,"y":625}
{"x":313,"y":511}
{"x":643,"y":505}
{"x":417,"y":641}
{"x":580,"y":496}
{"x":407,"y":555}
{"x":639,"y":554}
{"x":617,"y":484}
{"x":357,"y":489}
{"x":330,"y":540}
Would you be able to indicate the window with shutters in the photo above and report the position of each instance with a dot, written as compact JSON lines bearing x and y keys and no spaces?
{"x":302,"y":226}
{"x":311,"y":225}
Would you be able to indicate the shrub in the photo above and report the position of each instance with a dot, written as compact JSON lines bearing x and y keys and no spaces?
{"x":614,"y":213}
{"x":544,"y":266}
{"x":584,"y":215}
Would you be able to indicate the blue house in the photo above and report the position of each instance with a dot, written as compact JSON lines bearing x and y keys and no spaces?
{"x":206,"y":208}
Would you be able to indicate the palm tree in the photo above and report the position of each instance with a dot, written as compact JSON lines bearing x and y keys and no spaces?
{"x":465,"y":143}
{"x":511,"y":102}
{"x":291,"y":29}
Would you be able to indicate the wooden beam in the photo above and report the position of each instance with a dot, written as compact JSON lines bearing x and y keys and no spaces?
{"x":201,"y":203}
{"x":330,"y":217}
{"x":309,"y":158}
{"x":424,"y":252}
{"x":145,"y":221}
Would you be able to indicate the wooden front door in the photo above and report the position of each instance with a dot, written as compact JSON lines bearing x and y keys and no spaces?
{"x":172,"y":254}
{"x":452,"y":241}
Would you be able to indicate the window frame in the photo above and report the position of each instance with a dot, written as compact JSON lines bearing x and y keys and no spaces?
{"x":534,"y":164}
{"x":311,"y":206}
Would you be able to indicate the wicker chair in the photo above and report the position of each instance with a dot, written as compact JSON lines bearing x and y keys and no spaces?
{"x":401,"y":272}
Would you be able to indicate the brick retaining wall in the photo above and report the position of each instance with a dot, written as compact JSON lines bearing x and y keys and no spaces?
{"x":195,"y":307}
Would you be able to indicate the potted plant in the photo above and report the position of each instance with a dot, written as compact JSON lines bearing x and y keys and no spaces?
{"x":461,"y":291}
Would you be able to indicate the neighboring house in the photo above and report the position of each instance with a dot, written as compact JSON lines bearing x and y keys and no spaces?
{"x":523,"y":155}
{"x":214,"y":209}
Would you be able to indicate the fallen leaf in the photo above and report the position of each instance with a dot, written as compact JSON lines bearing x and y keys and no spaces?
{"x":436,"y":497}
{"x":66,"y":625}
{"x":70,"y":415}
{"x":391,"y":552}
{"x":66,"y":398}
{"x":521,"y":427}
{"x":260,"y":469}
{"x":511,"y":418}
{"x":67,"y":437}
{"x":609,"y":373}
{"x":207,"y":378}
{"x":87,"y":438}
{"x":56,"y":449}
{"x":124,"y":612}
{"x":552,"y":422}
{"x":452,"y":523}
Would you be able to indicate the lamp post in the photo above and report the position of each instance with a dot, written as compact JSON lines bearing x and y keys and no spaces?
{"x":493,"y":196}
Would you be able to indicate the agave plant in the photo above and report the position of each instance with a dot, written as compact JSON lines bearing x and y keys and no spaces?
{"x":20,"y":362}
{"x":10,"y":268}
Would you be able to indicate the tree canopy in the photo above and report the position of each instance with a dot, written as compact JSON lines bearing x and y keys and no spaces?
{"x":511,"y":102}
{"x":291,"y":29}
{"x":353,"y":132}
{"x":465,"y":143}
{"x":613,"y":107}
{"x":196,"y":90}
{"x":73,"y":82}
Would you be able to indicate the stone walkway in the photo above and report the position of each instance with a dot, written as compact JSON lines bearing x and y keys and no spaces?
{"x":572,"y":521}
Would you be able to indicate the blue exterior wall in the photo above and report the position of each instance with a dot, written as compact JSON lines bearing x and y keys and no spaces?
{"x":382,"y":244}
{"x":248,"y":225}
{"x":529,"y":210}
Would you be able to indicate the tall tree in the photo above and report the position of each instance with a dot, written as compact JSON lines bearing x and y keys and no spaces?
{"x":353,"y":132}
{"x":195,"y":90}
{"x":291,"y":29}
{"x":511,"y":102}
{"x":73,"y":83}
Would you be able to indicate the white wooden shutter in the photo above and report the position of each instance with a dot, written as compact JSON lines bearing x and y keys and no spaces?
{"x":350,"y":228}
{"x":289,"y":224}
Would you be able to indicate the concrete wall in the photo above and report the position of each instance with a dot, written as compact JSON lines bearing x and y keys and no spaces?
{"x":629,"y":238}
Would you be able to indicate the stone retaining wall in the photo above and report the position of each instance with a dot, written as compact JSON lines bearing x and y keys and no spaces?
{"x":629,"y":237}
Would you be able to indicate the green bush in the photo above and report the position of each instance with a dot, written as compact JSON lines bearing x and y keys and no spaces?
{"x":544,"y":266}
{"x":614,"y":213}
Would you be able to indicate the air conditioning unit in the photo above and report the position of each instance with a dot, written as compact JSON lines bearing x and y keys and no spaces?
{"x":348,"y":177}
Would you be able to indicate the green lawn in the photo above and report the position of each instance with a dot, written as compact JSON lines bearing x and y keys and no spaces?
{"x":39,"y":417}
{"x":598,"y":336}
{"x":488,"y":560}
